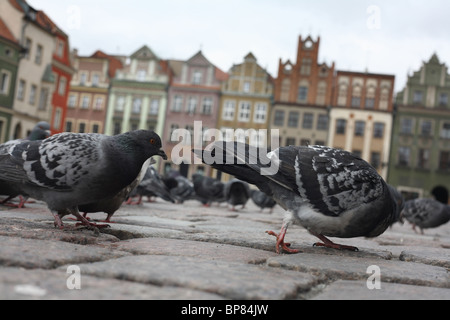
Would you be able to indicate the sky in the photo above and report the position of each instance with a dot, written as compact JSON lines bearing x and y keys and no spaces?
{"x":384,"y":36}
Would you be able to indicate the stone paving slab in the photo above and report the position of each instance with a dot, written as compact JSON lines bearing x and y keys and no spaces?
{"x":357,"y":290}
{"x":228,"y":279}
{"x":19,"y":284}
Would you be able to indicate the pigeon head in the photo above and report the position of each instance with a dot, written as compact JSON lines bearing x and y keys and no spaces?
{"x":148,"y":143}
{"x":40,"y":132}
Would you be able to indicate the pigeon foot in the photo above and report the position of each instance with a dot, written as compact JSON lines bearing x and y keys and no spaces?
{"x":327,"y":243}
{"x":280,"y":241}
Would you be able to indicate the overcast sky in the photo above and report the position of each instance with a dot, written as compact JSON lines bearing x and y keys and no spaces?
{"x":383,"y":36}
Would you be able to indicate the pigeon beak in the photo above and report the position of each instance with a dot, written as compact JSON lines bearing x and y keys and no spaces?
{"x":162,"y":154}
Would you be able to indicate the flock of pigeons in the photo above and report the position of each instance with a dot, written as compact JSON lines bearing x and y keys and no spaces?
{"x":330,"y":192}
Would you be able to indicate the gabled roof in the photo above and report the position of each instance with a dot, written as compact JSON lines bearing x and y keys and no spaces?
{"x":144,"y":53}
{"x":114,"y":63}
{"x":6,"y":33}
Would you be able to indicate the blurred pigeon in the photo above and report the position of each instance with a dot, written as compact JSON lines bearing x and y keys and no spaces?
{"x":40,"y":131}
{"x":152,"y":185}
{"x":184,"y":189}
{"x":328,"y":191}
{"x":426,"y":213}
{"x":236,"y":192}
{"x":68,"y":170}
{"x":262,"y":200}
{"x":208,"y":190}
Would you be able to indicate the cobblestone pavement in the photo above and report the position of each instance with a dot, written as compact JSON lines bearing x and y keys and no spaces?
{"x":167,"y":251}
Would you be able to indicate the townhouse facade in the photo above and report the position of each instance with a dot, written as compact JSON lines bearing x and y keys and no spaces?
{"x":193,"y":103}
{"x":138,"y":94}
{"x":10,"y":53}
{"x":303,"y":95}
{"x":361,"y":116}
{"x":89,"y":90}
{"x":420,"y":158}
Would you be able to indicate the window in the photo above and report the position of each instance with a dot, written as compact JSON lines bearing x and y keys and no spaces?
{"x":357,"y":153}
{"x":406,"y":126}
{"x":38,"y":57}
{"x":443,"y":99}
{"x":425,"y":128}
{"x":260,"y":113}
{"x":207,"y":105}
{"x":417,"y":97}
{"x":57,"y":118}
{"x":370,"y":103}
{"x":444,"y":160}
{"x":95,"y":128}
{"x":356,"y":96}
{"x":4,"y":82}
{"x":62,"y":86}
{"x":279,"y":118}
{"x":244,"y":111}
{"x":423,"y":159}
{"x":322,"y":122}
{"x":43,"y":99}
{"x":293,"y":119}
{"x":33,"y":90}
{"x":137,"y":105}
{"x":117,"y":128}
{"x":83,"y":78}
{"x":154,"y":107}
{"x":173,"y":127}
{"x":95,"y":80}
{"x":82,"y":127}
{"x":141,"y":74}
{"x":69,"y":126}
{"x":305,"y":68}
{"x":308,"y":119}
{"x":120,"y":103}
{"x":404,"y":154}
{"x":28,"y":48}
{"x":378,"y":130}
{"x":356,"y":102}
{"x":302,"y":94}
{"x":21,"y":90}
{"x":246,"y":87}
{"x":60,"y":48}
{"x":229,"y":110}
{"x":305,"y":142}
{"x":98,"y":105}
{"x":359,"y":128}
{"x":192,"y":105}
{"x":197,"y":77}
{"x":375,"y":159}
{"x":445,"y":132}
{"x":177,"y":103}
{"x":85,"y":102}
{"x":341,"y":124}
{"x":290,"y":141}
{"x":72,"y":102}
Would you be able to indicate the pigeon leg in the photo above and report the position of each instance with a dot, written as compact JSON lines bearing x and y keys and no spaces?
{"x":330,"y":244}
{"x":58,"y":222}
{"x":280,"y":241}
{"x":84,"y":221}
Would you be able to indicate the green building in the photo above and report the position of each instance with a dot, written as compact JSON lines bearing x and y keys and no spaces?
{"x":420,"y":153}
{"x":9,"y":61}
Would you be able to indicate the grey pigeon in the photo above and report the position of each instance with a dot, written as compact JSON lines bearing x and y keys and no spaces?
{"x":111,"y":205}
{"x":426,"y":213}
{"x":152,"y":185}
{"x":40,"y":131}
{"x":68,"y":170}
{"x":236,"y":192}
{"x":328,"y":191}
{"x":262,"y":200}
{"x":208,"y":190}
{"x":184,"y":189}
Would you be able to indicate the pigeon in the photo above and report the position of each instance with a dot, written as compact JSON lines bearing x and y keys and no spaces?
{"x":236,"y":192}
{"x":208,"y":190}
{"x":40,"y":131}
{"x":426,"y":213}
{"x":330,"y":192}
{"x":184,"y":189}
{"x":152,"y":185}
{"x":262,"y":200}
{"x":68,"y":170}
{"x":111,"y":205}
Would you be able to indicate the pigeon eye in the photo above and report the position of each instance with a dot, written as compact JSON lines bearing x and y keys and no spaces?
{"x":152,"y":141}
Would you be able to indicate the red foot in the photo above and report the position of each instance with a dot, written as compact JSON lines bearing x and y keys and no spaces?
{"x":280,"y":241}
{"x":330,"y":244}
